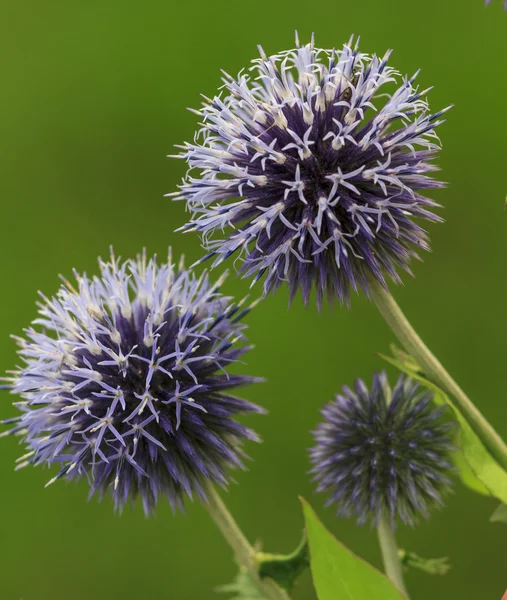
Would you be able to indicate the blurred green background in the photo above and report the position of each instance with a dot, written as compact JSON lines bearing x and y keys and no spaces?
{"x":94,"y":97}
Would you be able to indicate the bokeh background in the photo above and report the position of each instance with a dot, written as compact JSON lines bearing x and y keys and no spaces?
{"x":94,"y":97}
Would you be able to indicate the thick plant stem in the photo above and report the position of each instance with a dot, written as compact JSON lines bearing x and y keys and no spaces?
{"x":390,"y":556}
{"x":435,"y":372}
{"x":243,"y":551}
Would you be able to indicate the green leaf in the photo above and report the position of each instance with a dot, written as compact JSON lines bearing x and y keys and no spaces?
{"x":477,"y":468}
{"x":338,"y":574}
{"x":242,"y":588}
{"x":466,"y":474}
{"x":499,"y":515}
{"x":432,"y":566}
{"x":284,"y":569}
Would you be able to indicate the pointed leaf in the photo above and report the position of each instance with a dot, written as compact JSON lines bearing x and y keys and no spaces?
{"x":431,"y":566}
{"x":499,"y":515}
{"x":284,"y":569}
{"x":338,"y":574}
{"x":242,"y":588}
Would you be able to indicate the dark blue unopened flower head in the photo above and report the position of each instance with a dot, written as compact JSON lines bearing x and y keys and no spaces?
{"x":383,"y":451}
{"x":124,"y":381}
{"x":314,"y":161}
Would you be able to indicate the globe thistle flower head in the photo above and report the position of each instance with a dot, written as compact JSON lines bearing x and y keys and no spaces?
{"x":313,"y":161}
{"x":383,"y":452}
{"x":124,"y":382}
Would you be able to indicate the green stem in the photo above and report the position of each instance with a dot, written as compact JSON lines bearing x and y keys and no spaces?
{"x":435,"y":372}
{"x":390,"y":556}
{"x":243,"y":551}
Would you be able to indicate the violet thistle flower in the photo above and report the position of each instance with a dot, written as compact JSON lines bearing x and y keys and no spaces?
{"x":314,"y":158}
{"x":124,"y":383}
{"x":383,"y":453}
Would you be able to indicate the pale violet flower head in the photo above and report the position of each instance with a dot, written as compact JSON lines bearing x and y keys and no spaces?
{"x":310,"y":167}
{"x":124,"y":382}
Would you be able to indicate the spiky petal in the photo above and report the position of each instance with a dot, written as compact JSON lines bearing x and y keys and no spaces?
{"x":125,"y":383}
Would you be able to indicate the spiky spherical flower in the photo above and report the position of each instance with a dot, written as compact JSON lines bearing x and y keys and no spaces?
{"x":315,"y":158}
{"x":383,"y":452}
{"x":124,"y":382}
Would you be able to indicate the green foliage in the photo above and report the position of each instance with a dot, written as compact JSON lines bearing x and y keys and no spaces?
{"x":499,"y":514}
{"x":431,"y":566}
{"x":338,"y":574}
{"x":477,"y":468}
{"x":242,"y":588}
{"x":285,"y":569}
